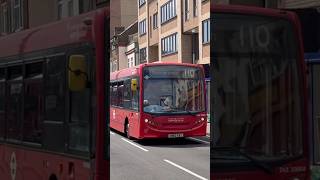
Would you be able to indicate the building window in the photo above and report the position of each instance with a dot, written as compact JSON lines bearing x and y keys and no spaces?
{"x":141,"y":2}
{"x":114,"y":65}
{"x":142,"y":27}
{"x":150,"y":27}
{"x":16,"y":15}
{"x":70,"y":8}
{"x":131,"y":62}
{"x":59,"y":13}
{"x":85,"y":6}
{"x":168,"y":11}
{"x":206,"y":31}
{"x":186,"y":10}
{"x":143,"y":55}
{"x":169,"y":44}
{"x":155,"y":21}
{"x":195,"y":8}
{"x":4,"y":18}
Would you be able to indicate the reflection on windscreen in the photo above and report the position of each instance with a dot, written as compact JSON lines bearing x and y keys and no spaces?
{"x":173,"y":90}
{"x":257,"y":107}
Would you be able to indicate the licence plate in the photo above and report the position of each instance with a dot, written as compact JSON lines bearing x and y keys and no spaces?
{"x":175,"y":135}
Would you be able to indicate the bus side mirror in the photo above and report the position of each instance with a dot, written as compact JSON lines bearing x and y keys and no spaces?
{"x":134,"y":85}
{"x":77,"y":73}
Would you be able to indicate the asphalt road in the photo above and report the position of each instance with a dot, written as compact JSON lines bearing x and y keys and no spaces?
{"x":164,"y":159}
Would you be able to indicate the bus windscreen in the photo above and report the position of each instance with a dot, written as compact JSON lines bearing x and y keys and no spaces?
{"x":173,"y":90}
{"x":258,"y":97}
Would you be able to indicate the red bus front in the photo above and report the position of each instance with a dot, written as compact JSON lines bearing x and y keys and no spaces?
{"x":168,"y":102}
{"x":173,"y":101}
{"x":259,"y":107}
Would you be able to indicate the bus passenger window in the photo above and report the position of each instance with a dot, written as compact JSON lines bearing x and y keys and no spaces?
{"x":120,"y":94}
{"x":14,"y":103}
{"x":2,"y":103}
{"x":55,"y":89}
{"x":113,"y":94}
{"x":79,"y":123}
{"x":33,"y":103}
{"x":127,"y":94}
{"x":54,"y":103}
{"x":135,"y":98}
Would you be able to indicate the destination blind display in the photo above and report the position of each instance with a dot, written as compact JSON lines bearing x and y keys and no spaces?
{"x":171,"y":72}
{"x":242,"y":35}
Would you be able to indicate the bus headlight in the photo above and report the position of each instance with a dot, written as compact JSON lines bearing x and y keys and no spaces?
{"x":146,"y":120}
{"x":202,"y":119}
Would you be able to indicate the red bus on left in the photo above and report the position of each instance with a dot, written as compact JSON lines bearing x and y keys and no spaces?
{"x":53,"y":122}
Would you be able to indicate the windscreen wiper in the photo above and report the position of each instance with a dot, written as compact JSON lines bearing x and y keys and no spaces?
{"x":265,"y":167}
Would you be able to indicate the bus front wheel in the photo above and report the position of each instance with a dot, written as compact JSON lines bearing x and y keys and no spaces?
{"x":127,"y":129}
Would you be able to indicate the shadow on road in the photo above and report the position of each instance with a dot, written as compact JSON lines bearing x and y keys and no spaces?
{"x":174,"y":143}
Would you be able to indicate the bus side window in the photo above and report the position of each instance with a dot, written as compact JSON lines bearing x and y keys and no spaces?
{"x":33,"y":103}
{"x":135,"y":98}
{"x":2,"y":103}
{"x":127,"y":94}
{"x":55,"y":103}
{"x":79,"y":124}
{"x":120,"y":91}
{"x":14,"y":103}
{"x":113,"y":94}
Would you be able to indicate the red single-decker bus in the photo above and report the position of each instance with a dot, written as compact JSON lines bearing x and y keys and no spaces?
{"x":53,"y":123}
{"x":159,"y":100}
{"x":259,"y":95}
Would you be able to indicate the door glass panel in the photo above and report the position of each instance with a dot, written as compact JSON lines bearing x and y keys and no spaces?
{"x":316,"y":111}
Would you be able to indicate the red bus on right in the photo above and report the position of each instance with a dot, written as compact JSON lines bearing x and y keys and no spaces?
{"x":259,"y":95}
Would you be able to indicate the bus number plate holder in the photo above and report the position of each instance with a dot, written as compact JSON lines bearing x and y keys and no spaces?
{"x":178,"y":135}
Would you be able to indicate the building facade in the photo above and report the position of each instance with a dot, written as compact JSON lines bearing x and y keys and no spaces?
{"x":124,"y":48}
{"x":132,"y":50}
{"x":174,"y":31}
{"x":16,"y":15}
{"x":122,"y":14}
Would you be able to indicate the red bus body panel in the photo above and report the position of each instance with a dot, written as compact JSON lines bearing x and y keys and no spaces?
{"x":164,"y":125}
{"x":296,"y":168}
{"x":39,"y":164}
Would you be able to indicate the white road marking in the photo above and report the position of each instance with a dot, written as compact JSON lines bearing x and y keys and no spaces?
{"x":199,"y":140}
{"x":184,"y":169}
{"x":146,"y":150}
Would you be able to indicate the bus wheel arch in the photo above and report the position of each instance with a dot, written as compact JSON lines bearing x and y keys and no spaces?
{"x":53,"y":177}
{"x":127,"y":128}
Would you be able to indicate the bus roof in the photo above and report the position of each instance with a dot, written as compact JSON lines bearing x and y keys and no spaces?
{"x":67,"y":31}
{"x":240,"y":9}
{"x":135,"y":70}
